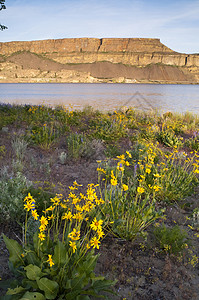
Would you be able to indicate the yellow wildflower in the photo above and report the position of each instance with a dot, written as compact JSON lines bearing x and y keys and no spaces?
{"x":72,"y":195}
{"x":156,"y":188}
{"x":50,"y":261}
{"x":63,"y":205}
{"x":75,"y":200}
{"x":129,"y":154}
{"x":43,"y":221}
{"x":42,"y":227}
{"x":73,"y":245}
{"x":55,"y":201}
{"x":78,"y":207}
{"x":156,"y":175}
{"x":78,"y":216}
{"x":67,"y":216}
{"x":100,"y":234}
{"x":88,"y":246}
{"x":50,"y":208}
{"x":74,"y":235}
{"x":101,"y":170}
{"x":96,"y":225}
{"x":113,"y":181}
{"x":120,"y":166}
{"x":148,"y":171}
{"x":29,"y":205}
{"x":72,"y":188}
{"x":140,"y":190}
{"x":95,"y":242}
{"x":35,"y":214}
{"x":41,"y":236}
{"x":76,"y":184}
{"x":28,"y":198}
{"x":122,"y":156}
{"x":125,"y":187}
{"x":51,"y":217}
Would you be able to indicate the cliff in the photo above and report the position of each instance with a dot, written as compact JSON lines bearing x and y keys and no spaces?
{"x":96,"y":60}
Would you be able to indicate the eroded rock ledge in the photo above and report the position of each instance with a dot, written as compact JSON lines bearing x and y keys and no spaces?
{"x":96,"y":60}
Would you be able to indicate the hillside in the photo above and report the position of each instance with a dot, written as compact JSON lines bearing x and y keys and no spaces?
{"x":96,"y":60}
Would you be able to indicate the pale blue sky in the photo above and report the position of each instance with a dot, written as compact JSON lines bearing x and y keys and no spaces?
{"x":175,"y":22}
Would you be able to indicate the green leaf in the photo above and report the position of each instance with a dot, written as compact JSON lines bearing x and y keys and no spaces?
{"x":78,"y":282}
{"x":73,"y":295}
{"x":35,"y":240}
{"x":29,"y":284}
{"x":82,"y":297}
{"x":97,"y":278}
{"x":49,"y":287}
{"x":33,"y":296}
{"x":15,"y":251}
{"x":15,"y":291}
{"x":33,"y":272}
{"x":103,"y":284}
{"x":11,"y":297}
{"x":68,"y":284}
{"x":32,"y":258}
{"x":60,"y":256}
{"x":90,"y":263}
{"x":9,"y":283}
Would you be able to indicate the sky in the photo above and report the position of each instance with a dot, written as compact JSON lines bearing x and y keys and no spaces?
{"x":174,"y":22}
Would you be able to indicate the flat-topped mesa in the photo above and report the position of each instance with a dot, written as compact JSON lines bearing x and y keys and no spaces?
{"x":145,"y":45}
{"x":94,"y":45}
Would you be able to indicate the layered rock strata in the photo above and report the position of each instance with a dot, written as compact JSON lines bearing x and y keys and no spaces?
{"x":83,"y":60}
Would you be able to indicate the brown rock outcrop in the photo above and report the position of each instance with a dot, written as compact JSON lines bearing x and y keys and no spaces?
{"x":136,"y":59}
{"x":86,"y":45}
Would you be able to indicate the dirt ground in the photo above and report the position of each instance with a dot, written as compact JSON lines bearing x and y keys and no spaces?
{"x":141,"y":271}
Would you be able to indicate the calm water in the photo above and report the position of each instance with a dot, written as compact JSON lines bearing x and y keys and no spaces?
{"x":178,"y":98}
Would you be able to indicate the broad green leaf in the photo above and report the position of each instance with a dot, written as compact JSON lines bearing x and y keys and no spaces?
{"x":33,"y":272}
{"x":78,"y":282}
{"x":49,"y":287}
{"x":15,"y":291}
{"x":29,"y":284}
{"x":60,"y":256}
{"x":15,"y":251}
{"x":90,"y":263}
{"x":73,"y":295}
{"x":32,"y":258}
{"x":68,"y":284}
{"x":33,"y":296}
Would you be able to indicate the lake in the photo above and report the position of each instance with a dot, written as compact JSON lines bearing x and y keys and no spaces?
{"x":105,"y":97}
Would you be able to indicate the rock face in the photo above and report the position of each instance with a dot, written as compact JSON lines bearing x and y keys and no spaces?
{"x":86,"y":45}
{"x":135,"y":59}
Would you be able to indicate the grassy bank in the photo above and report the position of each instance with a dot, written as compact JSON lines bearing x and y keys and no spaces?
{"x":76,"y":184}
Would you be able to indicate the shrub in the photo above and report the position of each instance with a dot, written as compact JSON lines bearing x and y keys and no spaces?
{"x":60,"y":262}
{"x":13,"y":189}
{"x":79,"y":146}
{"x":171,"y":240}
{"x":128,"y":206}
